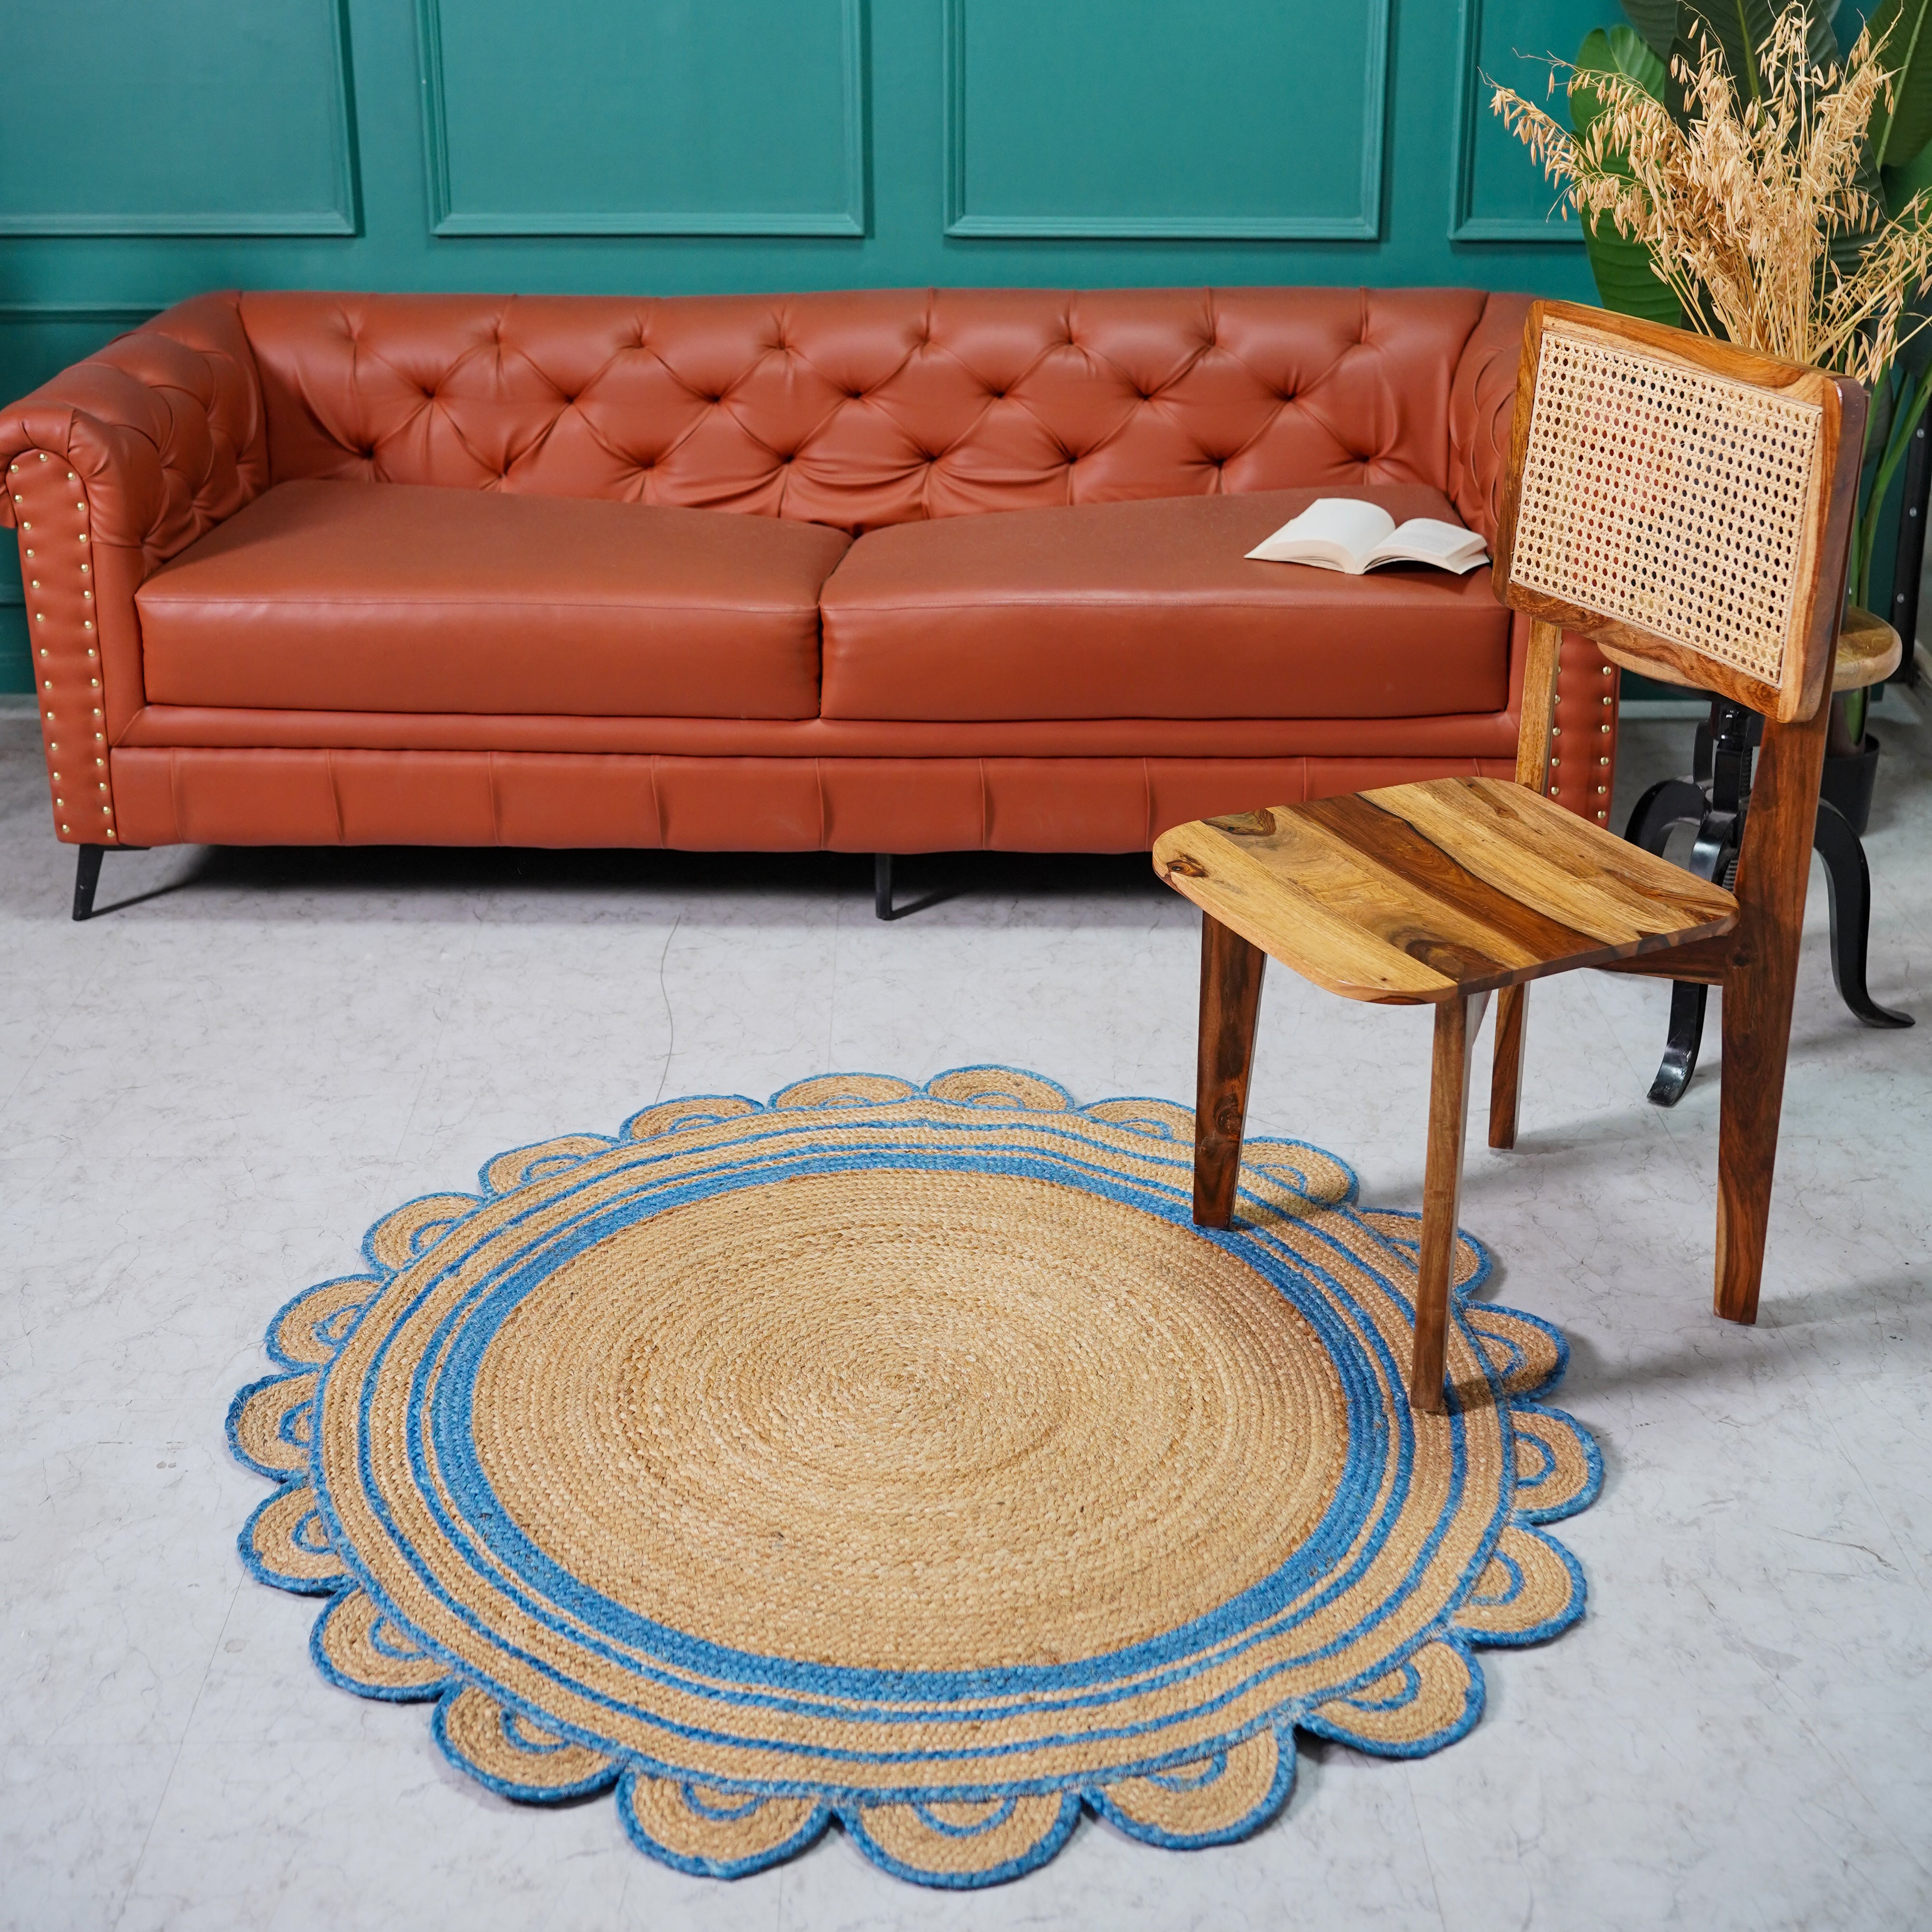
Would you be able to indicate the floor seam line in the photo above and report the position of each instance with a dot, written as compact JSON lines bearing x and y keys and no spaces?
{"x":174,"y":1764}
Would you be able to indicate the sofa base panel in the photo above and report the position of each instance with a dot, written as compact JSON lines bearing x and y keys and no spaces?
{"x":200,"y":795}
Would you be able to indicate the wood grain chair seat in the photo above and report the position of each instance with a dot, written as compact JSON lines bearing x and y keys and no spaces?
{"x":1421,"y":891}
{"x":1687,"y":504}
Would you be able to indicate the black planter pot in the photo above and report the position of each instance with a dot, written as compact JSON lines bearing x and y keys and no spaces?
{"x":1848,"y":782}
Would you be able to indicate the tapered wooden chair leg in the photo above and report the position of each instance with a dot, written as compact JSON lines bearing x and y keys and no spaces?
{"x":1231,"y":998}
{"x":1506,"y":1073}
{"x":1457,"y":1020}
{"x":1774,"y":869}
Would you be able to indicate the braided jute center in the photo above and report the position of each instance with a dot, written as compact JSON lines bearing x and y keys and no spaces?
{"x":903,"y":1419}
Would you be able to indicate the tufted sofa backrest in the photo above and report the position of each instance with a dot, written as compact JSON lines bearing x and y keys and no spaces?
{"x":869,"y":408}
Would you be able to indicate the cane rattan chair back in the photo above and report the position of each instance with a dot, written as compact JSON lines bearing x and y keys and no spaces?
{"x":1683,"y":502}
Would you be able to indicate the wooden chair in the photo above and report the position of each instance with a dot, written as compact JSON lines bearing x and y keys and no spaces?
{"x":1688,"y":505}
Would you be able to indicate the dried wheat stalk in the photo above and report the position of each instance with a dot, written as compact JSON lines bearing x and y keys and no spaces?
{"x":1738,"y":209}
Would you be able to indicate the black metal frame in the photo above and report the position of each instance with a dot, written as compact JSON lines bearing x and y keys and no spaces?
{"x":1715,"y":799}
{"x":1909,"y":559}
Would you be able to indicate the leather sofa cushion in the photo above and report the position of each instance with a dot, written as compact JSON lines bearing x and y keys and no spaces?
{"x":1151,"y":609}
{"x":388,"y":597}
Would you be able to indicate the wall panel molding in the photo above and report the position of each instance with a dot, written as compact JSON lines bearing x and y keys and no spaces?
{"x":17,"y":313}
{"x":1466,"y":223}
{"x":343,"y":217}
{"x":851,"y":217}
{"x":1364,"y":223}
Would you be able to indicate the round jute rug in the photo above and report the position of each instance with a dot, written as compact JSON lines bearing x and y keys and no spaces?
{"x":905,"y":1455}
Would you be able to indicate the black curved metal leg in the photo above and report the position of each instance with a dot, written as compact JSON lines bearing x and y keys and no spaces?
{"x":1688,"y":1001}
{"x":1671,"y":801}
{"x":1848,"y":883}
{"x":1724,"y":758}
{"x":1718,"y":832}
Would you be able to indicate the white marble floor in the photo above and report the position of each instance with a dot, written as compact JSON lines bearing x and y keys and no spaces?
{"x":206,"y":1094}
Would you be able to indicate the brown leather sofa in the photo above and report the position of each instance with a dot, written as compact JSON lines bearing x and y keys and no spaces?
{"x":313,"y":568}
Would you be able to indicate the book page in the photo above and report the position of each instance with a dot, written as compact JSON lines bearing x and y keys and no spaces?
{"x":1342,"y":529}
{"x":1429,"y":540}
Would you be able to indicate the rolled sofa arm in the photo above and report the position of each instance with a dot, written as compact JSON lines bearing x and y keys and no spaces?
{"x":112,"y":467}
{"x":1482,"y":400}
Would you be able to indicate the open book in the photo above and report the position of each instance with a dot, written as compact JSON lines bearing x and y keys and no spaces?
{"x":1343,"y":533}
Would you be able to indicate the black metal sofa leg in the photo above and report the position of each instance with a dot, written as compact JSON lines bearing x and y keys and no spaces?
{"x":87,"y":876}
{"x":882,"y":885}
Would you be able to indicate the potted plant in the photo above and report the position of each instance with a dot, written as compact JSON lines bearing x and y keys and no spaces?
{"x":1736,"y":174}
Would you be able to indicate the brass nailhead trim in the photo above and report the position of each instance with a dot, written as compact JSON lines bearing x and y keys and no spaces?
{"x":87,"y":625}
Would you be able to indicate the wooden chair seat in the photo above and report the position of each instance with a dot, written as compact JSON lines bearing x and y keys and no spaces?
{"x":1420,"y":893}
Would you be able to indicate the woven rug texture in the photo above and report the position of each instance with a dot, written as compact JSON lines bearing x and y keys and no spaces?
{"x":903,"y":1456}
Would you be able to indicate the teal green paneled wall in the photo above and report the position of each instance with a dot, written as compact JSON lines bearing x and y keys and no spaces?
{"x":150,"y":148}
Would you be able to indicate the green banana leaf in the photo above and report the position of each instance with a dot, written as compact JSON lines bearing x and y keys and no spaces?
{"x":1903,"y":182}
{"x":1900,"y":133}
{"x":1618,"y":50}
{"x":1621,"y":267}
{"x":1656,"y":20}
